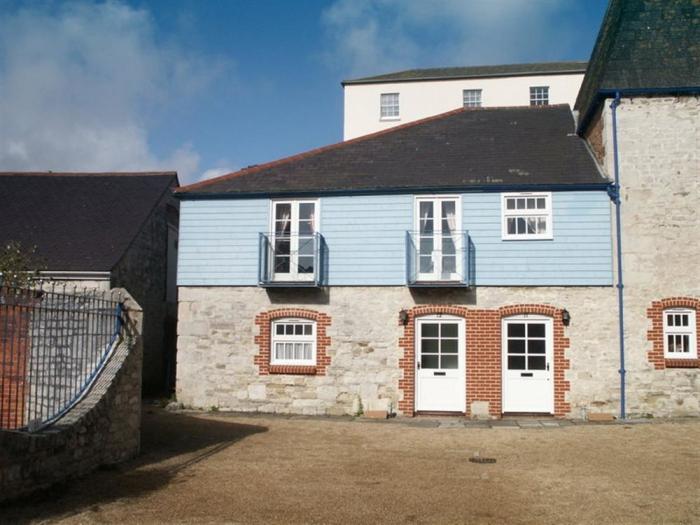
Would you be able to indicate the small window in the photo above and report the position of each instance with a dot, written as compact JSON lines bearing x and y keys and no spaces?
{"x":679,"y":334}
{"x":527,"y":216}
{"x":539,"y":96}
{"x":389,"y":106}
{"x":293,"y":342}
{"x":471,"y":98}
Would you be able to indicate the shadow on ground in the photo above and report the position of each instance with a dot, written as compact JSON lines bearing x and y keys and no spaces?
{"x":170,"y":444}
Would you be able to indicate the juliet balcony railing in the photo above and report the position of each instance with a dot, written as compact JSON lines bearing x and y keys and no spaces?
{"x":439,"y":259}
{"x":295,"y":260}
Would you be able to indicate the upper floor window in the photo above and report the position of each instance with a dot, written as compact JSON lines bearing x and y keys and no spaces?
{"x":471,"y":98}
{"x":527,"y":215}
{"x":679,"y":334}
{"x":293,"y":342}
{"x":539,"y":95}
{"x":389,"y":106}
{"x":294,"y":224}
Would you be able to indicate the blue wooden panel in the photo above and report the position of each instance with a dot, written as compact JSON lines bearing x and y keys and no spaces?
{"x":218,"y":242}
{"x":579,"y":254}
{"x":365,"y":238}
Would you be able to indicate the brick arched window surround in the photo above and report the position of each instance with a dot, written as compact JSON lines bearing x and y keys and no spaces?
{"x":656,"y":333}
{"x":484,"y":354}
{"x":263,"y":340}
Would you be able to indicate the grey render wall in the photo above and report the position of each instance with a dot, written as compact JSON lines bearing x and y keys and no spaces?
{"x":659,"y":152}
{"x":143,"y":272}
{"x":102,"y":429}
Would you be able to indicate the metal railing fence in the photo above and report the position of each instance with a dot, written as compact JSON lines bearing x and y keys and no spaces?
{"x":53,"y":343}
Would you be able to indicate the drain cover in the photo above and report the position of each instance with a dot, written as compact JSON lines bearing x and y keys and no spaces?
{"x":479,"y":459}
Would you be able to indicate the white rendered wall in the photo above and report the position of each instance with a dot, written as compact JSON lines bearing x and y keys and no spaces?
{"x":422,"y":99}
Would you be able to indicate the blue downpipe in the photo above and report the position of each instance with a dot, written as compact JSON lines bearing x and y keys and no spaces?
{"x":618,"y":224}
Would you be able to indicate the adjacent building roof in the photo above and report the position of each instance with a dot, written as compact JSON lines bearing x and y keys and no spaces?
{"x":463,"y":149}
{"x":646,"y":46}
{"x":452,"y":73}
{"x":78,"y":221}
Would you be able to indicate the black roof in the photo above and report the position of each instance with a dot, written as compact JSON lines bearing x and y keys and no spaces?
{"x":451,"y":73}
{"x":78,"y":221}
{"x":466,"y":148}
{"x":643,"y":45}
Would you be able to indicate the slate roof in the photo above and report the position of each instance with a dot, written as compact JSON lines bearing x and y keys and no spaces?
{"x":451,"y":73}
{"x":462,"y":149}
{"x":78,"y":221}
{"x":644,"y":45}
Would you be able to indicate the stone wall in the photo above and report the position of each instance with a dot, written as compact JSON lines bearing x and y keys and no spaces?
{"x":217,"y":348}
{"x":659,"y":152}
{"x":143,"y":270}
{"x":102,"y":429}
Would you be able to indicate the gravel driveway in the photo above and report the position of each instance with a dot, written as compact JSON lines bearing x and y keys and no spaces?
{"x":214,"y":468}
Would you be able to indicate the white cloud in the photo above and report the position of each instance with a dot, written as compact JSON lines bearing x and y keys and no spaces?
{"x":82,"y":85}
{"x":215,"y":172}
{"x":377,"y":36}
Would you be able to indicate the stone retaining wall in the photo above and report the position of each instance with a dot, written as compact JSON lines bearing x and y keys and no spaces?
{"x":103,"y":428}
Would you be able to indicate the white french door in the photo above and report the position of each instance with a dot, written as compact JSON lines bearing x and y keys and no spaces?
{"x":293,"y":241}
{"x":438,"y":223}
{"x":440,"y":364}
{"x":528,"y":364}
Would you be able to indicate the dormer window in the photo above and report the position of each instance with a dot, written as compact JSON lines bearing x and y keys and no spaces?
{"x":389,"y":106}
{"x":539,"y":96}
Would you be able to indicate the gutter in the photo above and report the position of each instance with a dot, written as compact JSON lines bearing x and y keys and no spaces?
{"x":481,"y":188}
{"x":75,"y":275}
{"x":615,"y":196}
{"x":360,"y":82}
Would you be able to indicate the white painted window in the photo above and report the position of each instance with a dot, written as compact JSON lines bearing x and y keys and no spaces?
{"x":680,"y":334}
{"x":439,"y":241}
{"x":526,"y":216}
{"x":293,"y":342}
{"x":389,"y":106}
{"x":471,"y":98}
{"x":539,"y":95}
{"x":294,"y":224}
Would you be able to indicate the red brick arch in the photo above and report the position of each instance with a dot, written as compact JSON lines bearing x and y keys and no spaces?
{"x":656,"y":333}
{"x":483,"y":340}
{"x":263,"y":339}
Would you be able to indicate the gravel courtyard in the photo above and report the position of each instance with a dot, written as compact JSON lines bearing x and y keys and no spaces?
{"x":214,"y":468}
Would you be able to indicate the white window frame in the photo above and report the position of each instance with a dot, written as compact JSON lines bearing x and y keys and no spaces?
{"x":536,"y":212}
{"x":387,"y":106}
{"x":458,"y":216}
{"x":292,"y":339}
{"x":539,"y":98}
{"x":472,"y":103}
{"x":293,"y":274}
{"x":690,"y":330}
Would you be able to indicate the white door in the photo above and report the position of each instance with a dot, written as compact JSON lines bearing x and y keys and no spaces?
{"x":528,"y":364}
{"x":440,"y":364}
{"x":438,"y":221}
{"x":294,"y":224}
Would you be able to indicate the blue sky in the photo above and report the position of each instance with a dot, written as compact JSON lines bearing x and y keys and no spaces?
{"x":205,"y":86}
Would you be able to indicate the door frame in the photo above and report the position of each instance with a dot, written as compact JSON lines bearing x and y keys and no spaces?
{"x":549,"y":356}
{"x":436,"y":276}
{"x":461,"y":359}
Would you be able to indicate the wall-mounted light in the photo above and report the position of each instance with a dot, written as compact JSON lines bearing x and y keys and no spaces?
{"x":566,"y":317}
{"x":403,"y":317}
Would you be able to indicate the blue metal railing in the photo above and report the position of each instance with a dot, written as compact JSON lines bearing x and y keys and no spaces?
{"x":291,"y":260}
{"x":429,"y":266}
{"x":53,"y":346}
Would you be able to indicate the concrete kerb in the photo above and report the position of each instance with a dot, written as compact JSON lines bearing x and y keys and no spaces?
{"x":444,"y":422}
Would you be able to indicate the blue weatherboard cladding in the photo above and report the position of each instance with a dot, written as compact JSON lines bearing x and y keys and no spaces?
{"x":365,"y":238}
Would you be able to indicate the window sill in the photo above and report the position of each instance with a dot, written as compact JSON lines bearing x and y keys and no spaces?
{"x":549,"y":238}
{"x":304,"y":370}
{"x":389,"y":119}
{"x":681,"y":363}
